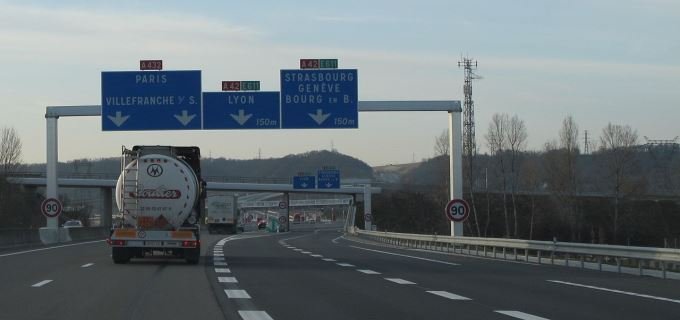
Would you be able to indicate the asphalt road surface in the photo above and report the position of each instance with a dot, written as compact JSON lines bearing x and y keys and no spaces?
{"x":315,"y":274}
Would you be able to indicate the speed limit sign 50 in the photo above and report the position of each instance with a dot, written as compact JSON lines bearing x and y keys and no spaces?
{"x":51,"y":207}
{"x":457,"y":210}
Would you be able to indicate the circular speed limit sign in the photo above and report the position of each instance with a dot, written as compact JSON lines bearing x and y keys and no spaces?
{"x":457,"y":210}
{"x":51,"y":207}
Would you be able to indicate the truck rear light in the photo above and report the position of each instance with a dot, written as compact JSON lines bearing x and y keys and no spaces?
{"x":116,"y":242}
{"x":191,"y":243}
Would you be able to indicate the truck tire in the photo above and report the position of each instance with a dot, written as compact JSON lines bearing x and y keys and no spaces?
{"x":120,"y":255}
{"x":192,"y":255}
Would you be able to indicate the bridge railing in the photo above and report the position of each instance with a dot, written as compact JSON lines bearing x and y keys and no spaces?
{"x":537,"y":251}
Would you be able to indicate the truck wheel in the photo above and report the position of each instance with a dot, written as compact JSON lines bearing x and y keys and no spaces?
{"x":120,"y":255}
{"x":192,"y":255}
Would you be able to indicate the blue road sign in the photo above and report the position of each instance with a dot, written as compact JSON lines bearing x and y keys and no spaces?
{"x":319,"y":98}
{"x":328,"y":179}
{"x":241,"y":110}
{"x":151,"y":100}
{"x":304,"y":182}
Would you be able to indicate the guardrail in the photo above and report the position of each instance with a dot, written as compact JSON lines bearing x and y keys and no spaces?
{"x":635,"y":257}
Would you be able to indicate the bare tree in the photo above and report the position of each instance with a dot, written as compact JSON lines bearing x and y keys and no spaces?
{"x":617,"y":146}
{"x":497,"y":141}
{"x":516,"y":137}
{"x":10,"y":150}
{"x":441,"y":144}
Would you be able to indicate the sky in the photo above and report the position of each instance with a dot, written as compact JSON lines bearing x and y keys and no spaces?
{"x":599,"y":61}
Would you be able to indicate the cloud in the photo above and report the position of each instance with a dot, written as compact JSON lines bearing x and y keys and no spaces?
{"x":28,"y":32}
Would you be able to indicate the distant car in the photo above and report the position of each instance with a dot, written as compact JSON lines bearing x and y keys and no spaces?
{"x":72,"y":224}
{"x":261,"y":225}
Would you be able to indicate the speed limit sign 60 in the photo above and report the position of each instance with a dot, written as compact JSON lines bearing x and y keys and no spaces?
{"x":457,"y":210}
{"x":51,"y":207}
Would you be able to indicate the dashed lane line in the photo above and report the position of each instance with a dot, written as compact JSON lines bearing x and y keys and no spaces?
{"x":222,"y":270}
{"x":254,"y":315}
{"x":87,"y":265}
{"x":227,"y":279}
{"x":615,"y":291}
{"x":399,"y":281}
{"x":520,"y":315}
{"x":366,"y":271}
{"x":41,"y":283}
{"x":316,"y":256}
{"x":236,"y":294}
{"x":342,"y":264}
{"x":329,"y":259}
{"x":448,"y":295}
{"x":219,"y":263}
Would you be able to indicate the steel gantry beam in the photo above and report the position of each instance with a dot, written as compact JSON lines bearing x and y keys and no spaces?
{"x":452,"y":107}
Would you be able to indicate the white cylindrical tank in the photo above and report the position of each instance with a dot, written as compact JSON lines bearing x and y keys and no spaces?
{"x":156,"y":192}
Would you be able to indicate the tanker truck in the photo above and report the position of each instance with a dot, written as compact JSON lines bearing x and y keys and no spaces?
{"x":159,"y":194}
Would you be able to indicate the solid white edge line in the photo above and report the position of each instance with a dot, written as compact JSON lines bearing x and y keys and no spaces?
{"x":254,"y":315}
{"x":227,"y":279}
{"x":87,"y":265}
{"x":407,"y":256}
{"x":41,"y":283}
{"x":236,"y":294}
{"x":50,"y":248}
{"x":399,"y":281}
{"x":520,"y":315}
{"x":448,"y":295}
{"x":615,"y":291}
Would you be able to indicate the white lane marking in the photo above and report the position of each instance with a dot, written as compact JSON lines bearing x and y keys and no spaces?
{"x":336,"y":240}
{"x":329,"y":260}
{"x":219,"y":263}
{"x":41,"y":283}
{"x":342,"y":264}
{"x":50,"y":248}
{"x":366,"y":271}
{"x":297,"y":250}
{"x":227,"y":279}
{"x":305,"y":252}
{"x":216,"y":258}
{"x":407,"y":256}
{"x":87,"y":265}
{"x":254,"y":315}
{"x":222,"y":270}
{"x":615,"y":291}
{"x":237,"y":294}
{"x":316,"y":255}
{"x":399,"y":281}
{"x":292,"y":248}
{"x":448,"y":295}
{"x":520,"y":315}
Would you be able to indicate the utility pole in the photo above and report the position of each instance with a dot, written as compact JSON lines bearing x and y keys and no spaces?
{"x":469,"y":142}
{"x":586,"y":147}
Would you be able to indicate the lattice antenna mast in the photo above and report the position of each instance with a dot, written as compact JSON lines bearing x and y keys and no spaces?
{"x":469,"y":142}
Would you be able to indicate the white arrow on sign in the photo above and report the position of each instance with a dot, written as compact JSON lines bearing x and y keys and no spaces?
{"x":119,"y":119}
{"x":304,"y":185}
{"x":319,"y":117}
{"x":242,"y":117}
{"x":185,"y":118}
{"x":328,"y":185}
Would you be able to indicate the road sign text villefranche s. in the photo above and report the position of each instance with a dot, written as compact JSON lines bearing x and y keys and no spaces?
{"x":151,"y":100}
